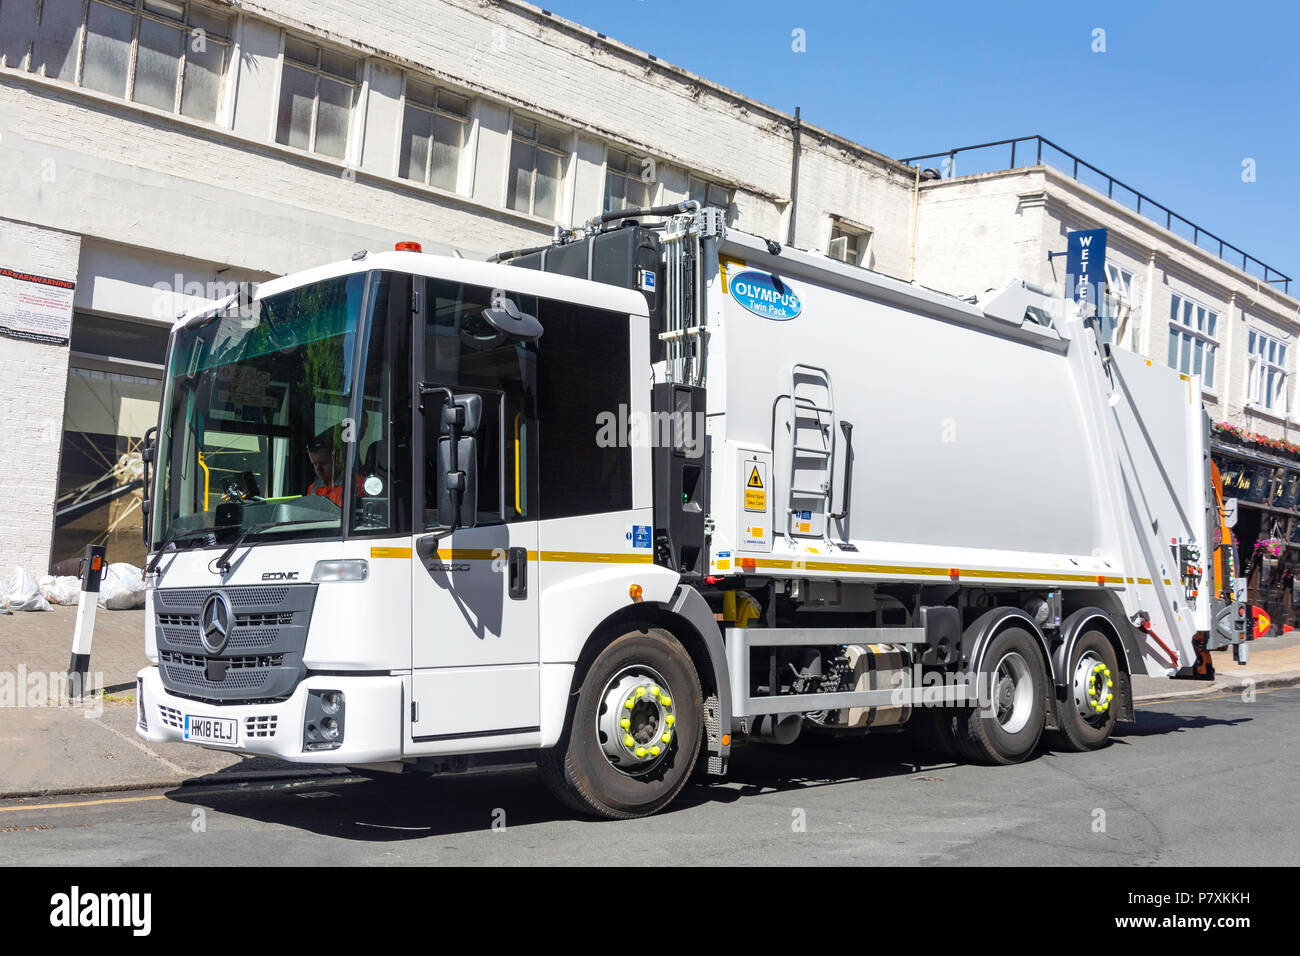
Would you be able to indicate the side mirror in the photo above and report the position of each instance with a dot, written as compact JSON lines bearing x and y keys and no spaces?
{"x":458,"y":461}
{"x":148,"y":452}
{"x":457,"y":456}
{"x":506,"y":317}
{"x":462,"y":414}
{"x":458,"y":482}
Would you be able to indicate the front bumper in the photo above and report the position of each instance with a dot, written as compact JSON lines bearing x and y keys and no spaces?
{"x":372,"y":730}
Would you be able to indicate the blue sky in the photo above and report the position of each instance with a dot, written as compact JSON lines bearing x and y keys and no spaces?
{"x":1182,"y":95}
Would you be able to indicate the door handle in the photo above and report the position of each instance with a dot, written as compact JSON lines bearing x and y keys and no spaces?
{"x":517,"y":573}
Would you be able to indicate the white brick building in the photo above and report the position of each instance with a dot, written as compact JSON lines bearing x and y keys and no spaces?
{"x":1174,"y":294}
{"x":1186,"y":305}
{"x":155,"y":151}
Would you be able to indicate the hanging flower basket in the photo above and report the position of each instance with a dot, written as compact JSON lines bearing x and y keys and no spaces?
{"x":1269,"y":547}
{"x":1241,"y":435}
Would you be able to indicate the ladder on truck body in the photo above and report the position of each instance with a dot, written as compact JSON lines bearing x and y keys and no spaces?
{"x":812,"y":441}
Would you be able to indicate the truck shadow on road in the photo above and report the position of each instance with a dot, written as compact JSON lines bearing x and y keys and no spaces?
{"x":815,"y":761}
{"x":415,"y":806}
{"x":1153,"y":723}
{"x":387,"y":809}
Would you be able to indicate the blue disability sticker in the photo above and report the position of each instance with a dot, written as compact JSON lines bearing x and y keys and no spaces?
{"x":640,"y":536}
{"x":765,"y":295}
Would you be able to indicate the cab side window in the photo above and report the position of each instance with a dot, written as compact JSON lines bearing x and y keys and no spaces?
{"x":381,"y":433}
{"x":463,"y":353}
{"x":583,"y":383}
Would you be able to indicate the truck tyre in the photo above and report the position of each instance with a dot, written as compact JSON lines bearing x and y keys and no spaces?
{"x":1087,"y":715}
{"x":634,"y":734}
{"x":1006,"y":724}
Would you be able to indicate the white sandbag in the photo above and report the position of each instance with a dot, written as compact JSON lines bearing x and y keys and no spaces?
{"x":64,"y":589}
{"x":21,"y":593}
{"x":122,"y":588}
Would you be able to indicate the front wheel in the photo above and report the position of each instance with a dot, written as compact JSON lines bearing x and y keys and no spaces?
{"x":635,"y":732}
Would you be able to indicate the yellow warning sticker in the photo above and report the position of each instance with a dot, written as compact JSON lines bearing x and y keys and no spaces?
{"x":756,"y":486}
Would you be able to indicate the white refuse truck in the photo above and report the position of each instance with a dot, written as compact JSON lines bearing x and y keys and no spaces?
{"x":621,"y":503}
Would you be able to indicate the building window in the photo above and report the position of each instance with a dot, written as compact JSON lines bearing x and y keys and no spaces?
{"x":708,"y":193}
{"x":167,"y":54}
{"x":317,"y":91}
{"x":1193,"y":338}
{"x":629,"y":181}
{"x":1116,"y":304}
{"x":538,"y":156}
{"x":849,"y":245}
{"x":435,"y":126}
{"x":1266,"y":372}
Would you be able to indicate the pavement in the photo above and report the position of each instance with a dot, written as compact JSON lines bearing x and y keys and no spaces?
{"x":50,"y":744}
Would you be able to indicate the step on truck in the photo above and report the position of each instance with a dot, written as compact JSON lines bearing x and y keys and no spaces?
{"x":619,"y":504}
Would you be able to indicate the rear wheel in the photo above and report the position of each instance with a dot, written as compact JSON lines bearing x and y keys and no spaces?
{"x":1006,"y":724}
{"x":1088,"y":713}
{"x":635,"y":731}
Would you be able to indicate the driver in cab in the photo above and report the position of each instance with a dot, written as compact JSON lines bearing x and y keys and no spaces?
{"x":329,"y":477}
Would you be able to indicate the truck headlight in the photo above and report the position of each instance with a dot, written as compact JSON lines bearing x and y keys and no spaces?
{"x":323,"y":720}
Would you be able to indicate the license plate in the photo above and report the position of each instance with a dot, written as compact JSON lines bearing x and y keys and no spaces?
{"x":212,"y":730}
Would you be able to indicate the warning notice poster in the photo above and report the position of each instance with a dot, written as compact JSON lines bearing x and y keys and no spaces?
{"x":35,"y":307}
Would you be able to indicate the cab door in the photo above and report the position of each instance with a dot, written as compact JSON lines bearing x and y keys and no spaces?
{"x":474,"y":622}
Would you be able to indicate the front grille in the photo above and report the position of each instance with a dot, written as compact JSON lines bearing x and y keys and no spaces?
{"x":269,"y":598}
{"x":171,"y":717}
{"x":191,"y":660}
{"x":181,"y":636}
{"x":265,"y":648}
{"x":242,"y":680}
{"x":263,"y":726}
{"x":263,"y":620}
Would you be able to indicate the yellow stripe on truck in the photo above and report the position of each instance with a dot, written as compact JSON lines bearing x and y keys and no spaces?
{"x":892,"y":569}
{"x":491,"y":554}
{"x":596,"y":557}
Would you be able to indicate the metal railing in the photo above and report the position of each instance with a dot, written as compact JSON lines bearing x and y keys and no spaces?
{"x":1144,"y":205}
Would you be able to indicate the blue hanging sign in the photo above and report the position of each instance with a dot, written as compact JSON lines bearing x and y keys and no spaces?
{"x":1085,"y":266}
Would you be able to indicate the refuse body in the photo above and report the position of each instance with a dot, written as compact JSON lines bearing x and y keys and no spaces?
{"x":19,"y":592}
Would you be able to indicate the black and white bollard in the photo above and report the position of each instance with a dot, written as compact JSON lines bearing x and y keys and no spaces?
{"x":92,"y":572}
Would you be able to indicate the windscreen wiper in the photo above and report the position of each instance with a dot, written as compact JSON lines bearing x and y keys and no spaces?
{"x":173,"y":536}
{"x":223,"y":563}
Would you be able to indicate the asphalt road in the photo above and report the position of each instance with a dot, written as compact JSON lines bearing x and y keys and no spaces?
{"x":1209,"y":781}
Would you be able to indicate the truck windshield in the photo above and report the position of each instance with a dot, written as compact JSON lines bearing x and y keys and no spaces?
{"x":255,"y":417}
